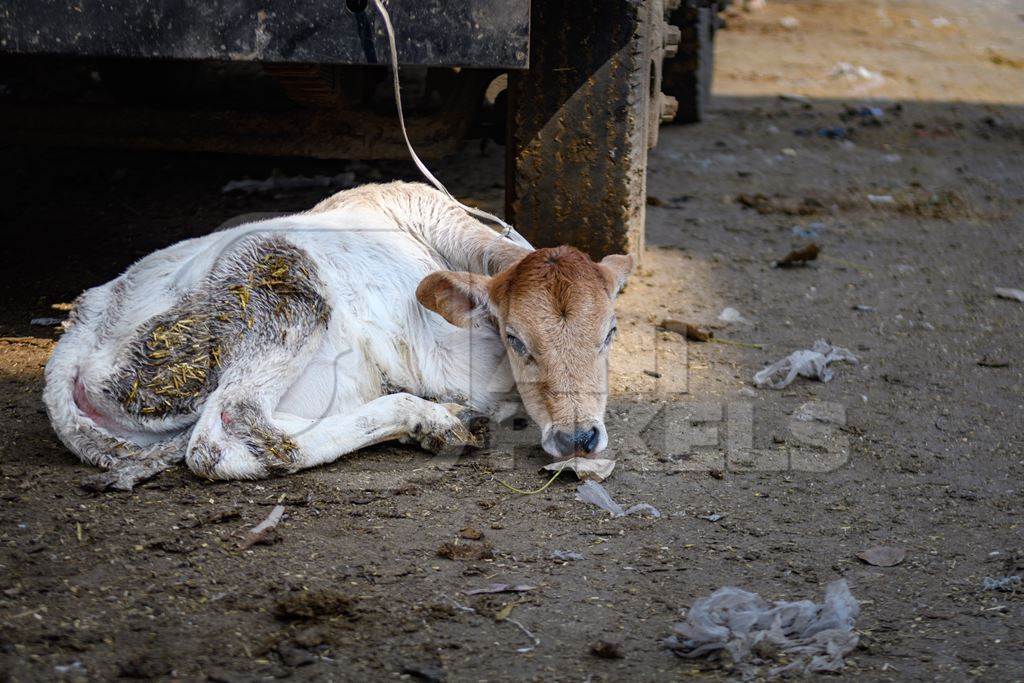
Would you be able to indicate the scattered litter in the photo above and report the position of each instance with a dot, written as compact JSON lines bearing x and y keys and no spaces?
{"x":731,"y":315}
{"x":713,"y":517}
{"x":597,"y":469}
{"x":567,"y":556}
{"x":834,"y":132}
{"x":892,"y":158}
{"x":606,"y":649}
{"x":748,"y":392}
{"x":798,"y":257}
{"x":1007,"y":584}
{"x":688,"y":330}
{"x":74,"y":667}
{"x":818,"y":411}
{"x":457,"y":605}
{"x":883,"y":556}
{"x":595,"y":494}
{"x":812,"y":230}
{"x":809,"y":637}
{"x":812,"y":364}
{"x":643,"y":509}
{"x":279,"y":183}
{"x":789,"y":22}
{"x":872,"y":114}
{"x":879,"y":199}
{"x":940,"y":22}
{"x":45,"y":322}
{"x":264,"y":533}
{"x":501,"y":588}
{"x":863,"y":308}
{"x":652,"y":373}
{"x":854,"y":72}
{"x":788,"y":151}
{"x":528,"y":633}
{"x":1012,"y":294}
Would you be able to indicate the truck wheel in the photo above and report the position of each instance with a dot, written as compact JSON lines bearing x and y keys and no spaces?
{"x":579,"y":121}
{"x":687,"y":75}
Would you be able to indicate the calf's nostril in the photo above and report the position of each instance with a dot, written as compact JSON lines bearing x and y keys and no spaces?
{"x":564,"y":443}
{"x":586,"y":439}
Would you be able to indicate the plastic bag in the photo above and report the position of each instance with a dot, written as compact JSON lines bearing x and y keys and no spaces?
{"x":595,"y":494}
{"x":749,"y":632}
{"x":812,"y":364}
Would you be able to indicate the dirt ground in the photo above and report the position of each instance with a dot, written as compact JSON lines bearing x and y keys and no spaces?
{"x":924,"y":449}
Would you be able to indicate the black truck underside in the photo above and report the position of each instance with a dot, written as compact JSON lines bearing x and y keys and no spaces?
{"x":472,"y":33}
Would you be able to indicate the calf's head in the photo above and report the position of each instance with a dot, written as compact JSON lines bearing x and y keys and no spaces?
{"x":554,"y":310}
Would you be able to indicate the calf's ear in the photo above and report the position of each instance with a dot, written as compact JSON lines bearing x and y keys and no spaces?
{"x":453,"y":296}
{"x":616,"y":269}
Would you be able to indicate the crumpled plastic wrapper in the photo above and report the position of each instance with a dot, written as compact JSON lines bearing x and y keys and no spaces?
{"x":595,"y":494}
{"x":596,"y":469}
{"x":812,"y":364}
{"x":748,"y":633}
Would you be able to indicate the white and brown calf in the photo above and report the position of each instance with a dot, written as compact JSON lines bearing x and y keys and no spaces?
{"x":286,"y":343}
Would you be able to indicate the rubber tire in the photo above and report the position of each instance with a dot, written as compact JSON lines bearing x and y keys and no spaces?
{"x":687,"y":76}
{"x":578,"y":120}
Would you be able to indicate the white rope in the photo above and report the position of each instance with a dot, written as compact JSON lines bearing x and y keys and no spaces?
{"x":507,"y":230}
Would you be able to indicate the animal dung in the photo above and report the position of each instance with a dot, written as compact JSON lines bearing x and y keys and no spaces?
{"x":453,"y":550}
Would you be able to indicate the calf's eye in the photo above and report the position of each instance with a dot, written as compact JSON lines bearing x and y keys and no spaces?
{"x":611,"y":336}
{"x":516,"y":344}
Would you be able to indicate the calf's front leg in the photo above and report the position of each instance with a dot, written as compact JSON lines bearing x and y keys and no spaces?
{"x":237,"y":439}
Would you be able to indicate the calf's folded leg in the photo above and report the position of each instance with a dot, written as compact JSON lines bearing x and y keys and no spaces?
{"x":239,"y":439}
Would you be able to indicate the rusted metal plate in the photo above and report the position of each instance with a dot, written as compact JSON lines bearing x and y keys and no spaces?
{"x":478,"y":33}
{"x":578,"y":126}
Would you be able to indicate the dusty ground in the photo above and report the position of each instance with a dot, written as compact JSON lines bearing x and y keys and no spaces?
{"x":930,"y":459}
